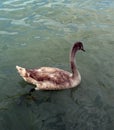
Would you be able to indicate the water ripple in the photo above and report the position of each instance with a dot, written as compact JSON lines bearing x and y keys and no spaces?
{"x":10,"y":9}
{"x":8,"y":33}
{"x":17,"y":3}
{"x":19,"y":22}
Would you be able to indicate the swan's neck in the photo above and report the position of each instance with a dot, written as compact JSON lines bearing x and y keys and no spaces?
{"x":74,"y":69}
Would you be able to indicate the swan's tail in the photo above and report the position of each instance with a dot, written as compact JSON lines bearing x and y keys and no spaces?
{"x":21,"y":71}
{"x":25,"y":75}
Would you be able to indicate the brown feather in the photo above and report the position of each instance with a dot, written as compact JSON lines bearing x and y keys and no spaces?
{"x":52,"y":75}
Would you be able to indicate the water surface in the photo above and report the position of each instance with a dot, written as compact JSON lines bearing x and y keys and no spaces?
{"x":36,"y":33}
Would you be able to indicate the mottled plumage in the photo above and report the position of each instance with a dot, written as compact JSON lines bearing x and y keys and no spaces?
{"x":48,"y":78}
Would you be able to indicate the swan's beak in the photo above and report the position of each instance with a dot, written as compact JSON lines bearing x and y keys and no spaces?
{"x":83,"y":49}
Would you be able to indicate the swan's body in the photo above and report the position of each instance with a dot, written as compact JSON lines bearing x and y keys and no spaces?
{"x":48,"y":78}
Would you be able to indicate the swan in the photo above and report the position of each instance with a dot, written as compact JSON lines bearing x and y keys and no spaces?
{"x":49,"y":78}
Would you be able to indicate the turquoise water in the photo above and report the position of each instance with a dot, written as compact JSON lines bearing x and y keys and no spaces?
{"x":36,"y":33}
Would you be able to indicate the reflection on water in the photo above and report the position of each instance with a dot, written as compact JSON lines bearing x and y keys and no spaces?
{"x":40,"y":33}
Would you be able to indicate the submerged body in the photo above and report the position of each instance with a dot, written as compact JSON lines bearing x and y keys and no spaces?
{"x":49,"y":78}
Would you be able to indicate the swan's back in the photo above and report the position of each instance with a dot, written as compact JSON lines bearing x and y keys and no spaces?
{"x":50,"y":78}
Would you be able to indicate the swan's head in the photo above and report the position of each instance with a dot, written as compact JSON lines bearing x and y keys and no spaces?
{"x":79,"y":46}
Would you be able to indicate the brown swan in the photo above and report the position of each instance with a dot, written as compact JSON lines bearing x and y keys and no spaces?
{"x":48,"y":78}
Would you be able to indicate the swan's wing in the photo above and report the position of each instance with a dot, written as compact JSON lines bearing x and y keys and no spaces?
{"x":53,"y":75}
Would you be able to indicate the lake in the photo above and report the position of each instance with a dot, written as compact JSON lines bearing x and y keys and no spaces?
{"x":35,"y":33}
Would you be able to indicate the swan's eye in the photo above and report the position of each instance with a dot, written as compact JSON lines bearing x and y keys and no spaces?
{"x":80,"y":47}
